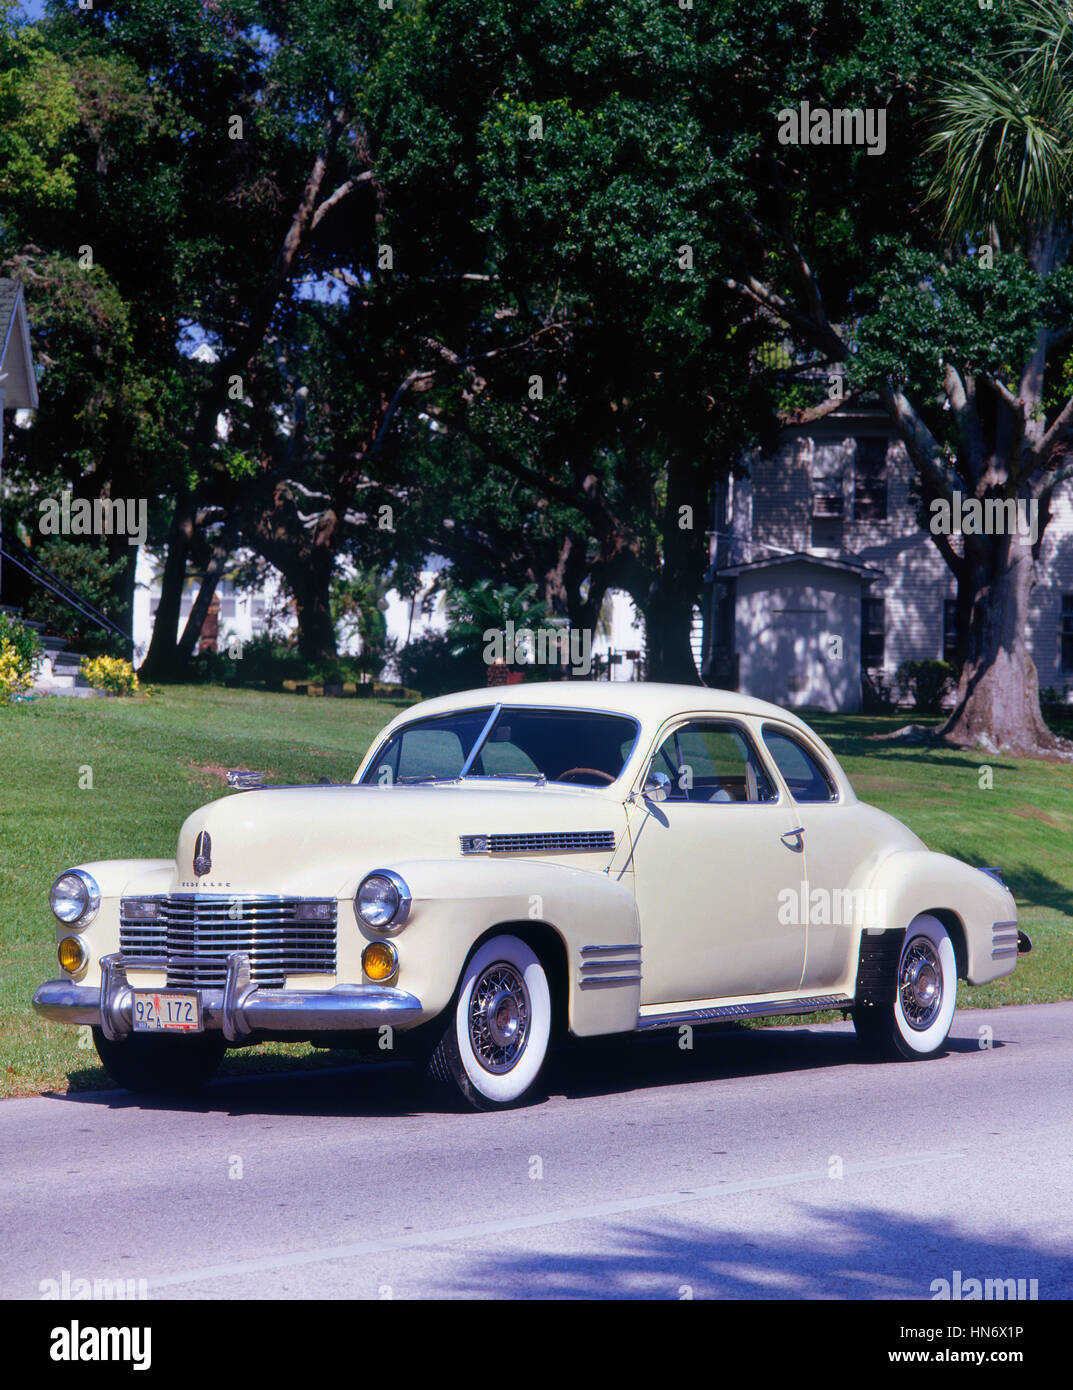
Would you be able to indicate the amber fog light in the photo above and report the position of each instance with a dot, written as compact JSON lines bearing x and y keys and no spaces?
{"x":380,"y":960}
{"x":72,"y":954}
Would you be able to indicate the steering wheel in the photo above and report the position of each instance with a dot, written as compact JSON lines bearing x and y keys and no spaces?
{"x":588,"y":771}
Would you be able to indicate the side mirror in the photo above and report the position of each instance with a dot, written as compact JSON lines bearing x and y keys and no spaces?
{"x":657,"y":787}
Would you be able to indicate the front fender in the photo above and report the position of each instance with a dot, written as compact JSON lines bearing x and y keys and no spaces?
{"x":454,"y":904}
{"x":116,"y":878}
{"x":910,"y":882}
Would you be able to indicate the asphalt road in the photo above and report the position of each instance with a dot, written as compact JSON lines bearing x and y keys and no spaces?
{"x":768,"y":1164}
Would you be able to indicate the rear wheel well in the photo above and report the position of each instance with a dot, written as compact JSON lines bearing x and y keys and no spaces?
{"x":551,"y":950}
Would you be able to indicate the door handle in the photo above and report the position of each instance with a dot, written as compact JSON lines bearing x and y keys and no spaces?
{"x":798,"y":834}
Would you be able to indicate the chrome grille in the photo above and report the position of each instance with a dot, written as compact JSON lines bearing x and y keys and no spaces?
{"x":539,"y":842}
{"x":204,"y":930}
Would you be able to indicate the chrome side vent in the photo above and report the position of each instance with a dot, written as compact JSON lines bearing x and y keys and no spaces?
{"x":540,"y":842}
{"x":604,"y":966}
{"x":1004,"y":940}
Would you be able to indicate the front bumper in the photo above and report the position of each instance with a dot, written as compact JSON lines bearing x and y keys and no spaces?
{"x":239,"y":1010}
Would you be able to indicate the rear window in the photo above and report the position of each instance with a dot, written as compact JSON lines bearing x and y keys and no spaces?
{"x":804,"y":774}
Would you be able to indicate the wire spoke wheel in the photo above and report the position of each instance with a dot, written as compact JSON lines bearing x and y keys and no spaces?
{"x":499,"y":1017}
{"x":920,"y":983}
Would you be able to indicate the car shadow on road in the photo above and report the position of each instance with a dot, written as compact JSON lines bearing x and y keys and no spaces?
{"x":835,"y":1252}
{"x":578,"y":1069}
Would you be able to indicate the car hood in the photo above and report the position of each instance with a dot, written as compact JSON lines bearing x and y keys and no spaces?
{"x":320,"y":841}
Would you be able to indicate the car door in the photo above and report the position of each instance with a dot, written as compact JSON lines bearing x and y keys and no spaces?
{"x":709,"y":863}
{"x":837,"y":861}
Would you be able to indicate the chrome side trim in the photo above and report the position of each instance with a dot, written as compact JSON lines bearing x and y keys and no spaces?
{"x":762,"y":1008}
{"x":592,"y":950}
{"x":1004,"y":940}
{"x":589,"y":967}
{"x":605,"y":981}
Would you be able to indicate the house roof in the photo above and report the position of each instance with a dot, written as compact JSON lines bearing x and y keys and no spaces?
{"x":17,"y":377}
{"x":847,"y":563}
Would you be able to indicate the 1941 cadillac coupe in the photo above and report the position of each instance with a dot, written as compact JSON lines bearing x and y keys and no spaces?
{"x":591,"y":857}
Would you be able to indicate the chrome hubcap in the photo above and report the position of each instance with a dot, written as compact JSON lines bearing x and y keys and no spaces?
{"x":499,"y":1018}
{"x":920,"y":984}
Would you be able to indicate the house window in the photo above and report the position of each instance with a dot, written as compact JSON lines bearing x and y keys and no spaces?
{"x":950,"y":629}
{"x":873,"y":632}
{"x":870,"y":480}
{"x":1067,"y":634}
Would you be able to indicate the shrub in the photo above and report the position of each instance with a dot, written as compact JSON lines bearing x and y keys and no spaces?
{"x":111,"y":674}
{"x":926,"y":682}
{"x":20,"y":652}
{"x":86,"y":568}
{"x":427,"y":664}
{"x":876,"y":694}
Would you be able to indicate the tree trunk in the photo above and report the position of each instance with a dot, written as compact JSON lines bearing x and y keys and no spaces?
{"x":221,"y":553}
{"x":161,"y":661}
{"x":311,"y":587}
{"x":998,"y":693}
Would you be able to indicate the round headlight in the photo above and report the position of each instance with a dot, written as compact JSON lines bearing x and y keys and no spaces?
{"x":382,"y":900}
{"x":71,"y":954}
{"x":75,"y":898}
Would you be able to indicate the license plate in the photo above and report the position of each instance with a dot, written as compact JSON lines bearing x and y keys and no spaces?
{"x":165,"y":1011}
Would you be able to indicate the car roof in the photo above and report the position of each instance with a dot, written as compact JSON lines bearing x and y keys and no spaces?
{"x":650,"y":701}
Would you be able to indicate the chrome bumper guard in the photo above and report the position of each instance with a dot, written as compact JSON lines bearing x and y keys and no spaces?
{"x":239,"y":1009}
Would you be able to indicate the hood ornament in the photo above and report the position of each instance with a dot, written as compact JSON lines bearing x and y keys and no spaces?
{"x":245,"y":780}
{"x":202,"y":854}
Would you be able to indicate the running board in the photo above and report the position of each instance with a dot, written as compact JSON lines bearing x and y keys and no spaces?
{"x":771,"y":1008}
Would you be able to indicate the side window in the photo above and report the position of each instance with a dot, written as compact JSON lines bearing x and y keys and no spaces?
{"x":806,"y":777}
{"x":713,"y":762}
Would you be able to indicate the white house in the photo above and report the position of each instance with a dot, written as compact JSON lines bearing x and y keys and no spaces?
{"x":820,"y":571}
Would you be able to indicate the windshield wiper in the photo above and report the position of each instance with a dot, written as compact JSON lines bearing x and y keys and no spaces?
{"x":537,"y":778}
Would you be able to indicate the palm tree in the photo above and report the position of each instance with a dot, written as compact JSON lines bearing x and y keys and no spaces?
{"x":1004,"y":142}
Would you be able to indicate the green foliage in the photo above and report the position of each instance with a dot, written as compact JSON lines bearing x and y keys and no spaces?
{"x":431,"y":665}
{"x":925,"y":312}
{"x":110,"y":674}
{"x":926,"y":683}
{"x":85,"y":567}
{"x":38,"y":112}
{"x":473,"y":612}
{"x":1005,"y":138}
{"x":20,"y":653}
{"x":358,"y":605}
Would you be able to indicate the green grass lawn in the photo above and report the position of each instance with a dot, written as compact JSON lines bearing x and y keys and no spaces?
{"x":154,"y":760}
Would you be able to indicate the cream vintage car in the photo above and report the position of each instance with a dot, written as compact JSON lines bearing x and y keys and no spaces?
{"x":509,"y":864}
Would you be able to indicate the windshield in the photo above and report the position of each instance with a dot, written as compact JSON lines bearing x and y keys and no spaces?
{"x":579,"y":747}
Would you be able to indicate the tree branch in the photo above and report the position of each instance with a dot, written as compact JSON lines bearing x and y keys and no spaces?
{"x":343,"y":191}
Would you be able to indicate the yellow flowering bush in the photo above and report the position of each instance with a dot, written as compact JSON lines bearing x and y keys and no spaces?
{"x":110,"y":673}
{"x":20,"y":651}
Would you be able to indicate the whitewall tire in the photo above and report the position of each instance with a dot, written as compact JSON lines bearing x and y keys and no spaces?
{"x":496,"y":1039}
{"x":918,"y":1023}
